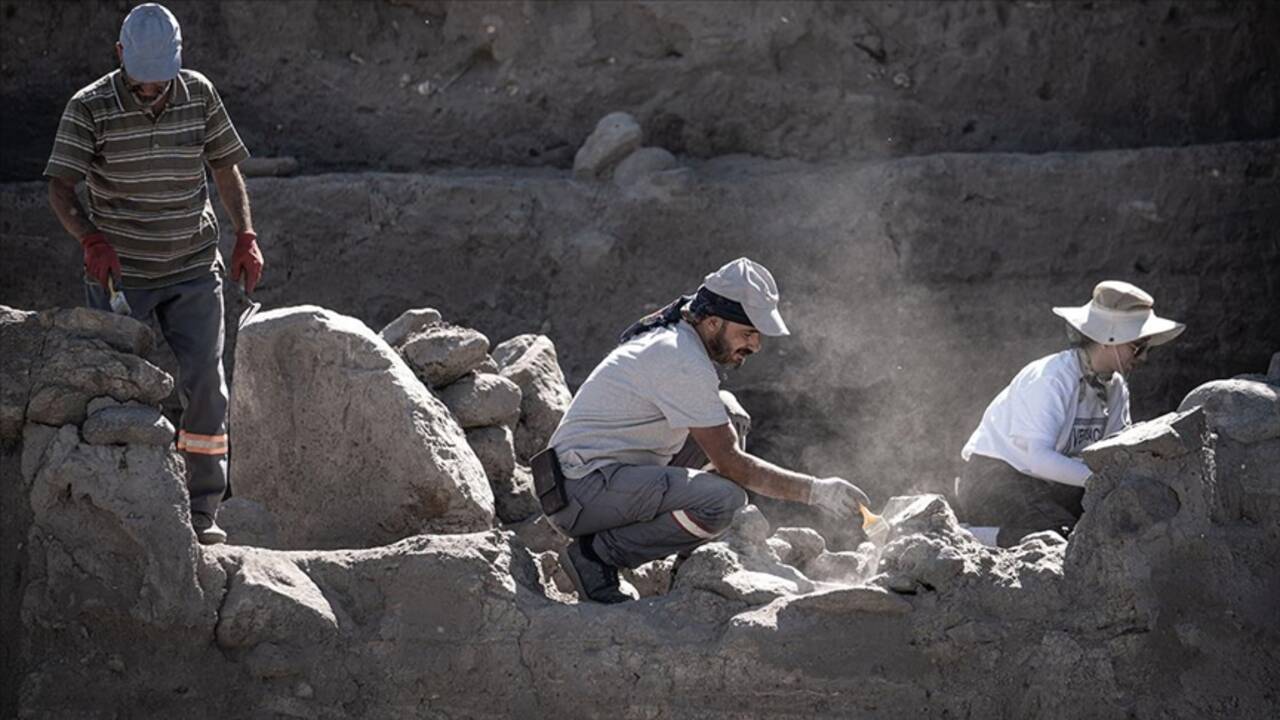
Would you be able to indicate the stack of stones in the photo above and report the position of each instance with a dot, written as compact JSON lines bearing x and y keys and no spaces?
{"x":508,"y":402}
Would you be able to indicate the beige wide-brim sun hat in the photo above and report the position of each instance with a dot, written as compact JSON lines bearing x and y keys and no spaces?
{"x":1120,"y":313}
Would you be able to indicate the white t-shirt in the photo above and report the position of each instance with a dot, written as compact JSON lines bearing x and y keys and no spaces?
{"x":637,"y":406}
{"x":1046,"y":416}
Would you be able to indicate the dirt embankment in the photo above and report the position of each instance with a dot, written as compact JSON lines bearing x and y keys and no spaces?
{"x":405,"y":85}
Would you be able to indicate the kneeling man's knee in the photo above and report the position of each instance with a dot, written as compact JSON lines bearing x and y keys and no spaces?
{"x":718,"y":512}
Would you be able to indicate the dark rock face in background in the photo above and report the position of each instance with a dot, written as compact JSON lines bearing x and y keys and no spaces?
{"x":915,"y":288}
{"x":404,"y":85}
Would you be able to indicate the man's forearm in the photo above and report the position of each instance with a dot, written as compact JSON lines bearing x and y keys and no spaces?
{"x":235,"y":197}
{"x":65,"y":204}
{"x":763,"y":477}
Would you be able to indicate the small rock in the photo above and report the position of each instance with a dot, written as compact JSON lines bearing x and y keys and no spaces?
{"x":514,"y":501}
{"x":642,"y":162}
{"x":115,"y":663}
{"x":651,"y":579}
{"x":1273,"y":371}
{"x":442,"y":354}
{"x":128,"y":425}
{"x":750,"y":529}
{"x":616,"y":136}
{"x":482,"y":400}
{"x":900,"y":583}
{"x":119,"y":331}
{"x":924,"y":558}
{"x":105,"y":401}
{"x":409,"y":322}
{"x":538,"y":534}
{"x":806,"y":544}
{"x":838,"y":567}
{"x":508,"y":351}
{"x":304,"y":690}
{"x":495,"y":448}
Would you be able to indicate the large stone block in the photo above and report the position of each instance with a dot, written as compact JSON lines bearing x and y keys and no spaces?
{"x":530,"y":362}
{"x":111,"y":534}
{"x":1244,"y":410}
{"x":335,"y":435}
{"x":270,"y":599}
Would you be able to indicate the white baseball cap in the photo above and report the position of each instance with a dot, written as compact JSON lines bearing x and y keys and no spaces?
{"x":152,"y":43}
{"x":1120,"y":313}
{"x":751,"y":285}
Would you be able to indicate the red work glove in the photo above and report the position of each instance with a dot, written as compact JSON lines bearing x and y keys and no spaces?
{"x":100,"y":260}
{"x":246,"y":259}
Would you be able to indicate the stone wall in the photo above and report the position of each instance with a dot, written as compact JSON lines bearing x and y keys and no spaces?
{"x":404,"y":85}
{"x":1162,"y":603}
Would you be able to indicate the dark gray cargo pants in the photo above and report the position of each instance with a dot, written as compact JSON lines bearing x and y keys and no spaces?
{"x":992,"y":493}
{"x":640,"y":513}
{"x":191,"y":318}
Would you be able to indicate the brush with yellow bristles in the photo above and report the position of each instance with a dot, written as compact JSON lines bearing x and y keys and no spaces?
{"x":876,"y":527}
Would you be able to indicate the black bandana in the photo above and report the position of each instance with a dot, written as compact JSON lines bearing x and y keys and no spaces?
{"x":704,"y":302}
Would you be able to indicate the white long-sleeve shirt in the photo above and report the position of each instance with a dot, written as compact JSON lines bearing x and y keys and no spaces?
{"x":1046,"y":415}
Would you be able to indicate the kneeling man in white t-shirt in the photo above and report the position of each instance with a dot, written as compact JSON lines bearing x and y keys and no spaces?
{"x":640,"y":431}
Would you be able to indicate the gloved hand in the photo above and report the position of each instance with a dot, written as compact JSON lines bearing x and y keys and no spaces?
{"x":837,"y":496}
{"x":246,"y":259}
{"x":100,"y":260}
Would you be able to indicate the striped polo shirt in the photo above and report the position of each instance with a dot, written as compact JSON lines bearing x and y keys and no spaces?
{"x":145,"y":174}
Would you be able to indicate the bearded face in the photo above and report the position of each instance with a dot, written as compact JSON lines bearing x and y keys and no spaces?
{"x":732,"y":342}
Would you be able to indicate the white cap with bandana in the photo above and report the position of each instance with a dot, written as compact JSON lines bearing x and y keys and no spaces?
{"x":751,"y":285}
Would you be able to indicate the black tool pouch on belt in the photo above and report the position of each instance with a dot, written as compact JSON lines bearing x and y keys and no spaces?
{"x":548,"y":481}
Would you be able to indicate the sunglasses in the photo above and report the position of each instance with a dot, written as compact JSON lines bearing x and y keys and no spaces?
{"x":1139,"y":349}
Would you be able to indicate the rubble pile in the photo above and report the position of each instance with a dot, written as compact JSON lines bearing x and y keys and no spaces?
{"x":508,"y":403}
{"x":1160,"y":604}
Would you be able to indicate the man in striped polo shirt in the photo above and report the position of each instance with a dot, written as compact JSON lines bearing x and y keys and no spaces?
{"x":140,"y":137}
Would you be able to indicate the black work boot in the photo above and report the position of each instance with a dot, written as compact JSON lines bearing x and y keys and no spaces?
{"x":594,"y":579}
{"x":206,"y":529}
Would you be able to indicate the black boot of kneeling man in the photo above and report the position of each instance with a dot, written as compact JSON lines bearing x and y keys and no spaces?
{"x":593,"y":577}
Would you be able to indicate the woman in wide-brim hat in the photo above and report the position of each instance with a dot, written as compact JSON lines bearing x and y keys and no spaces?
{"x":1022,"y":471}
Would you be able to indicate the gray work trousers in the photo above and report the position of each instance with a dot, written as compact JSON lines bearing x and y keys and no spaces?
{"x":191,"y":318}
{"x":991,"y":492}
{"x":639,"y":513}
